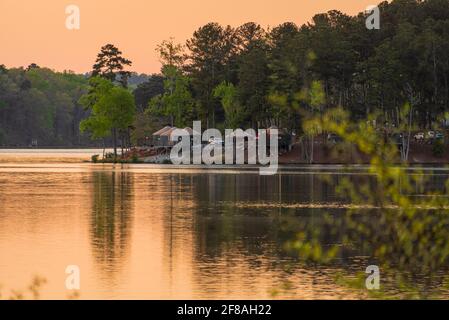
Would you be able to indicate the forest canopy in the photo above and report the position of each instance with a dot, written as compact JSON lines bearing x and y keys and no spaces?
{"x":40,"y":104}
{"x":248,"y":76}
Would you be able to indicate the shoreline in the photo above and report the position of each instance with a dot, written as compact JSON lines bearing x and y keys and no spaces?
{"x":282,"y":168}
{"x":287,"y":161}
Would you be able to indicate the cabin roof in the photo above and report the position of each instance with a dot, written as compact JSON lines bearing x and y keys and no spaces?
{"x":168,"y":132}
{"x":159,"y":132}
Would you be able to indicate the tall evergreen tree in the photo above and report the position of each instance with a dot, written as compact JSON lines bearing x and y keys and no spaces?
{"x":110,"y":64}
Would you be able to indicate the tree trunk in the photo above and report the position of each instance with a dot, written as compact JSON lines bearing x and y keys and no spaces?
{"x":435,"y":75}
{"x":311,"y":152}
{"x":114,"y":141}
{"x":104,"y":147}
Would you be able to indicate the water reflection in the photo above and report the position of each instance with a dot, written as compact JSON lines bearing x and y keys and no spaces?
{"x":153,"y":234}
{"x":111,"y":220}
{"x":249,"y":242}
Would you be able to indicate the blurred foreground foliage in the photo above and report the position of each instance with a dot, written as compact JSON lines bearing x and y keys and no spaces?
{"x":33,"y":291}
{"x":396,"y":219}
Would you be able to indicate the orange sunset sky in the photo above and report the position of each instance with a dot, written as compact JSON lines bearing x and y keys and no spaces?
{"x":34,"y":31}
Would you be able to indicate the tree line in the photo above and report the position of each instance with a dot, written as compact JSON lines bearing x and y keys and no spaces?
{"x":38,"y":104}
{"x":250,"y":76}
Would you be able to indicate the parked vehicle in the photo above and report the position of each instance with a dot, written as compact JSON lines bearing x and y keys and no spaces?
{"x":334,"y":138}
{"x":216,"y":141}
{"x":419,"y":136}
{"x":431,"y":134}
{"x":439,"y":136}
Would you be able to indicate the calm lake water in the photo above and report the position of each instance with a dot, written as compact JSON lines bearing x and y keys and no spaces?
{"x":160,"y":232}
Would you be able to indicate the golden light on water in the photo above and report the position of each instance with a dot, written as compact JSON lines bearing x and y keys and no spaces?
{"x":142,"y":235}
